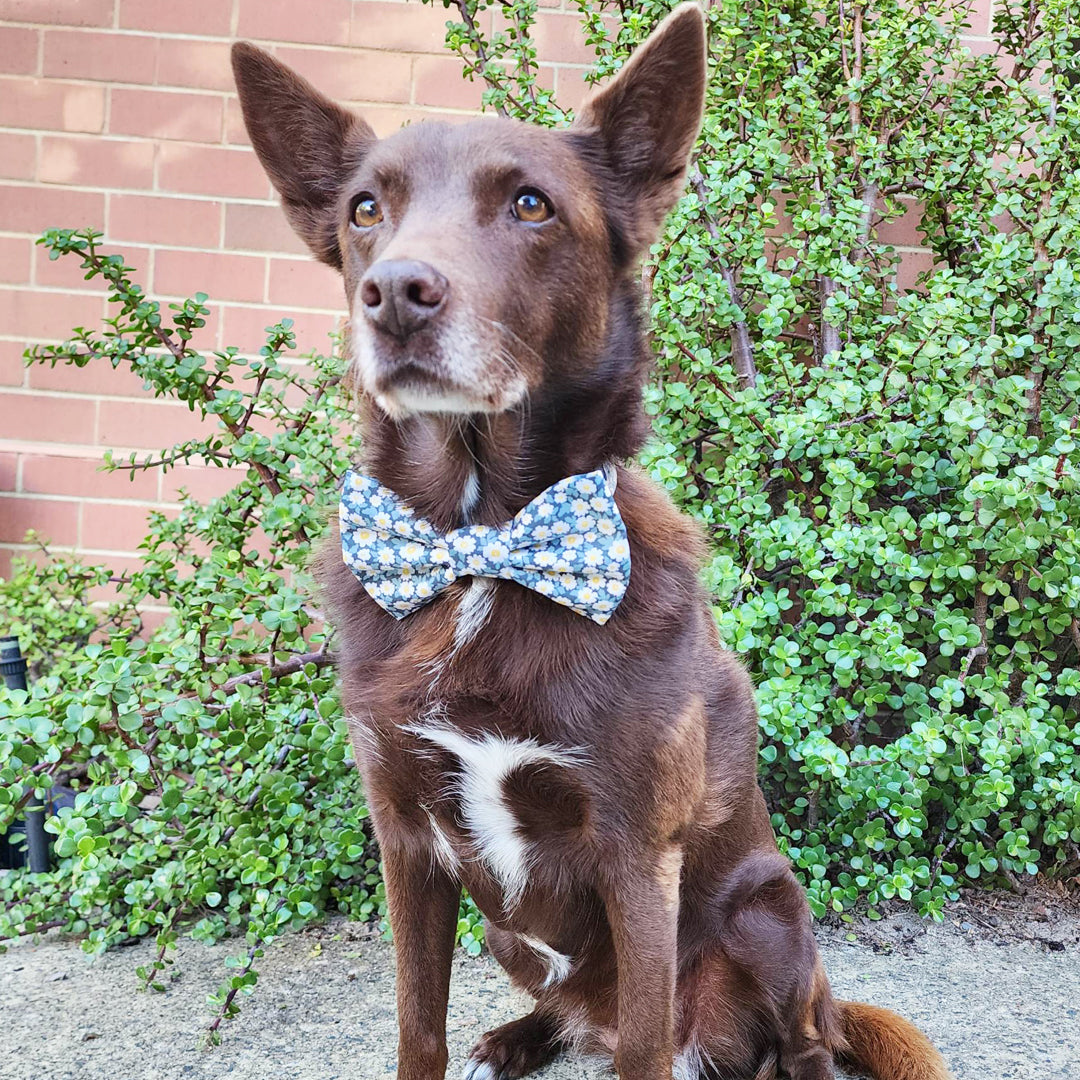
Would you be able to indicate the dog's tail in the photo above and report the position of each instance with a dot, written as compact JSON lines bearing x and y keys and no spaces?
{"x":886,"y":1046}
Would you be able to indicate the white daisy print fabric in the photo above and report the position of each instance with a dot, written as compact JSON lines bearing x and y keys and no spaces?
{"x":569,"y":544}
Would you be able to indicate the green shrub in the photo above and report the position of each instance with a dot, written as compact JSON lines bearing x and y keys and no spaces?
{"x":888,"y":473}
{"x":215,"y":786}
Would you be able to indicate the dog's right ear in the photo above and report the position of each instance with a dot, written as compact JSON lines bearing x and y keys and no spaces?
{"x":307,"y":144}
{"x":641,"y":126}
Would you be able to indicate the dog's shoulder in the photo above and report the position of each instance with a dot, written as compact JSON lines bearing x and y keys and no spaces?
{"x":653,"y":522}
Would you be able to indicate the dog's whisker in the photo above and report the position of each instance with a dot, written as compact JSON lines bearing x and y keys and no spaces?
{"x":504,"y":329}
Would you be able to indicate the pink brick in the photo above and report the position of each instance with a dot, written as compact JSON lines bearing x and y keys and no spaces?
{"x":33,"y":556}
{"x":570,"y":87}
{"x":55,"y":106}
{"x":208,"y":18}
{"x":784,"y":204}
{"x":112,"y":526}
{"x":203,"y":482}
{"x":980,"y":18}
{"x":222,"y":276}
{"x":235,"y":130}
{"x":545,"y":77}
{"x":325,"y":23}
{"x":63,"y":273}
{"x":47,"y":474}
{"x":43,"y":316}
{"x":211,"y":170}
{"x":903,"y":231}
{"x":19,"y":50}
{"x":983,"y":46}
{"x":386,"y":119}
{"x":150,"y":424}
{"x":34,"y":209}
{"x":203,"y":65}
{"x":66,"y":272}
{"x":61,"y":12}
{"x":913,"y":264}
{"x":18,"y":155}
{"x":305,"y":283}
{"x":353,"y":74}
{"x":96,"y":162}
{"x":16,"y":256}
{"x":204,"y":338}
{"x":259,"y":228}
{"x":8,"y":469}
{"x":208,"y":337}
{"x":403,"y":27}
{"x":46,"y":418}
{"x":244,"y":328}
{"x":118,"y":565}
{"x":126,"y":58}
{"x":560,"y":40}
{"x":437,"y":80}
{"x":6,"y":555}
{"x":166,"y":114}
{"x":152,"y":618}
{"x":12,"y":365}
{"x":55,"y":520}
{"x":164,"y":220}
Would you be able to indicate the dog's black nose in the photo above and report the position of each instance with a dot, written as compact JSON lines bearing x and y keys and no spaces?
{"x":402,"y":295}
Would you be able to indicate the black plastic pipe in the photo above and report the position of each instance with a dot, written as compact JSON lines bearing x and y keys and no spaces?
{"x":13,"y":669}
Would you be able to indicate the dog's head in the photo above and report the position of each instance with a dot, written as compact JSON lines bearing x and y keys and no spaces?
{"x":481,"y":260}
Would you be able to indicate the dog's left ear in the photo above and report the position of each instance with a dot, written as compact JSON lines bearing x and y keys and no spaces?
{"x":308,"y":146}
{"x":641,"y":127}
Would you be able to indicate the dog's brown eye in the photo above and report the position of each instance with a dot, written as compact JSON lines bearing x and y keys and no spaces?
{"x":532,"y":206}
{"x":366,"y":212}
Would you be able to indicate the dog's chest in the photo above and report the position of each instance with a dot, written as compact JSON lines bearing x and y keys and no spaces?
{"x":502,"y":806}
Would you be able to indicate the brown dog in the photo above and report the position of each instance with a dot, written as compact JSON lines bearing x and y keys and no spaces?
{"x":593,"y":786}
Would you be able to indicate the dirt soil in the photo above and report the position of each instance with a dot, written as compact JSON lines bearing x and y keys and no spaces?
{"x":997,"y":988}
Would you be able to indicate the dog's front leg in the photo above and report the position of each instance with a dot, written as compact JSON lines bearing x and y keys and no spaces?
{"x":423,"y":915}
{"x":642,"y":905}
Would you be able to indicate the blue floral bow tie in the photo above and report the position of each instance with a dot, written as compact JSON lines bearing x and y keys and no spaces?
{"x":568,"y":544}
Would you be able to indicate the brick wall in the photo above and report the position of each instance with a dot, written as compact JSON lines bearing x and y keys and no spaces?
{"x":120,"y":114}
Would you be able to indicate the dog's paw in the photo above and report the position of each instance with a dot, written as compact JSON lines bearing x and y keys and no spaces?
{"x":479,"y":1070}
{"x":512,"y":1051}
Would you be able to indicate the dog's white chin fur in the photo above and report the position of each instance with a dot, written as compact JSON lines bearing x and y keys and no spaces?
{"x":475,"y":386}
{"x":406,"y":401}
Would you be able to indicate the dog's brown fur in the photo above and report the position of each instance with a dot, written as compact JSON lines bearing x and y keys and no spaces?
{"x":652,"y":865}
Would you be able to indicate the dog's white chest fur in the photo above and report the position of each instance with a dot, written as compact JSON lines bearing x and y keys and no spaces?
{"x":494,"y":836}
{"x":473,"y":611}
{"x":486,"y":761}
